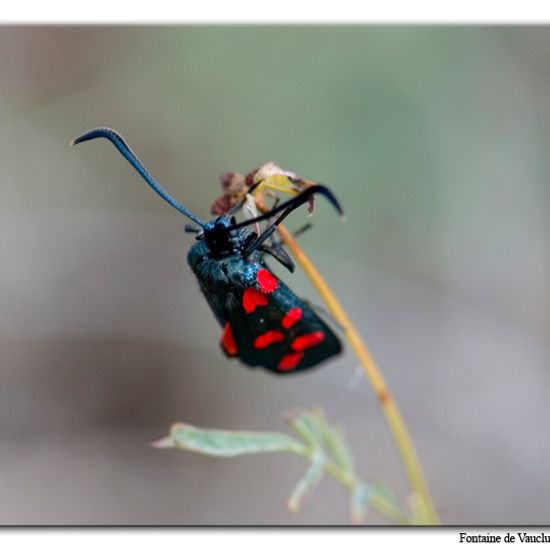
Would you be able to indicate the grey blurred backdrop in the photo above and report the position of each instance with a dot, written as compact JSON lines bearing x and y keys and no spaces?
{"x":434,"y":139}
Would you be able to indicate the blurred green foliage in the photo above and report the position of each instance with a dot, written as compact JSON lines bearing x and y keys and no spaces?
{"x":323,"y":445}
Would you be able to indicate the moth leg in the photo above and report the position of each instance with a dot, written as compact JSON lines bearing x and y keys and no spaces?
{"x":260,"y":240}
{"x":302,"y":229}
{"x":276,"y":248}
{"x":280,"y":254}
{"x":188,"y":228}
{"x":279,"y":243}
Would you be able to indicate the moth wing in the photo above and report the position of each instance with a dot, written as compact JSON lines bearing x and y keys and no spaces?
{"x":266,"y":325}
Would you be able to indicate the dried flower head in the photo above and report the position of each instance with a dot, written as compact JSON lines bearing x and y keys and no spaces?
{"x":270,"y":177}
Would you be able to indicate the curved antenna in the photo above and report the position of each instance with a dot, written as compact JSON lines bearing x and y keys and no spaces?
{"x":118,"y":141}
{"x":292,"y":204}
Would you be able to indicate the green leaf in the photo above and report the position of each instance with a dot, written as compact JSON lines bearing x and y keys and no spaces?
{"x":359,"y":502}
{"x":307,"y":483}
{"x":226,"y":443}
{"x":383,"y":499}
{"x":279,"y":182}
{"x":307,"y":425}
{"x":274,"y":177}
{"x":338,"y":447}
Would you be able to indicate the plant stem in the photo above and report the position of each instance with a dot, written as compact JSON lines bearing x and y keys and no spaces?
{"x":382,"y":505}
{"x":391,"y":412}
{"x":378,"y":502}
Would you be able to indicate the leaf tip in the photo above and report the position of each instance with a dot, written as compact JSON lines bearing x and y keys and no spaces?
{"x":162,"y":443}
{"x":292,"y":506}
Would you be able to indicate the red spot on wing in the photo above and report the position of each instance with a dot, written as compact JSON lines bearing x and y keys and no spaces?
{"x":228,"y":340}
{"x":252,"y":299}
{"x":267,"y":281}
{"x":290,"y":361}
{"x":269,"y":337}
{"x":292,"y":317}
{"x":307,"y":341}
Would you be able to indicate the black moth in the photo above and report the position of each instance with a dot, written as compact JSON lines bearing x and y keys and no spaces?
{"x":263,"y":322}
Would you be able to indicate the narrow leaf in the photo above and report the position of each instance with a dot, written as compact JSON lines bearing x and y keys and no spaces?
{"x":226,"y":443}
{"x":359,"y":503}
{"x":383,"y":499}
{"x":339,"y":449}
{"x":306,"y":424}
{"x":307,"y":483}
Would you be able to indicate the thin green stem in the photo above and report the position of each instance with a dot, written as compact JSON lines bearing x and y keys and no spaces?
{"x":391,"y":412}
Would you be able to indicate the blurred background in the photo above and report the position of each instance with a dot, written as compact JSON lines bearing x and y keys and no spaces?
{"x":435,"y":140}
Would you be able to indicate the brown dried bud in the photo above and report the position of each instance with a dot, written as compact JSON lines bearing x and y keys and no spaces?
{"x":221,"y":205}
{"x":233,"y":183}
{"x":234,"y":188}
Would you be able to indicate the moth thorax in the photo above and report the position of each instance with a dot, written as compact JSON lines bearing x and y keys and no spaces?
{"x":222,"y":241}
{"x":218,"y":238}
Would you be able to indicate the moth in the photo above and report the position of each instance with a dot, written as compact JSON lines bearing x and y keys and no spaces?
{"x":264,"y":324}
